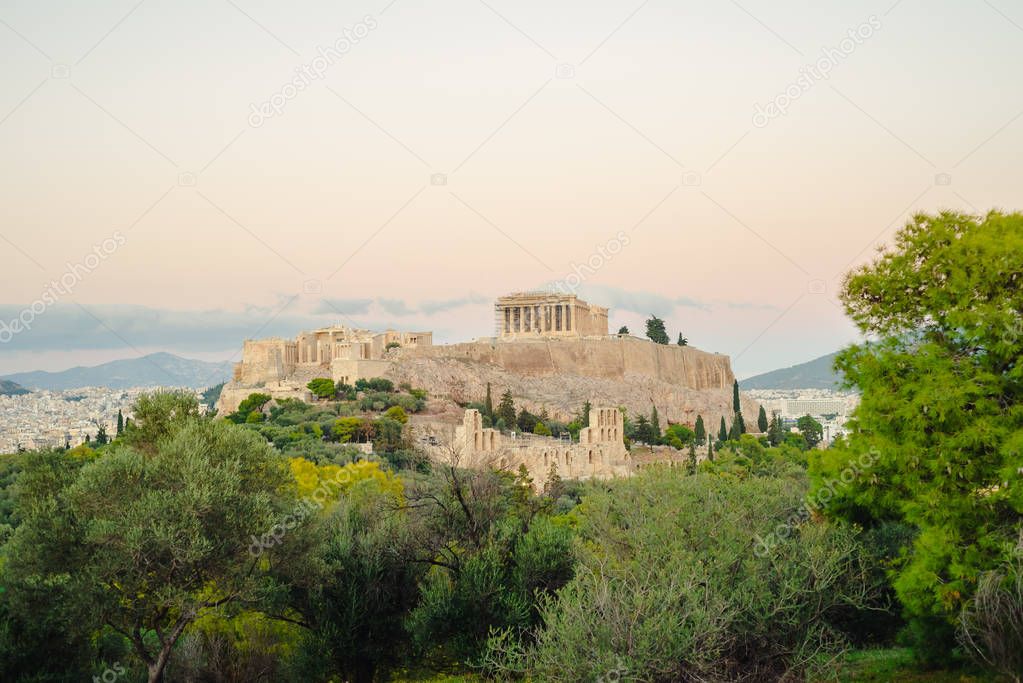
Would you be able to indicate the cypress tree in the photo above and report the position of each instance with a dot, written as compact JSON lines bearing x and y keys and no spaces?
{"x":736,"y":406}
{"x":586,"y":414}
{"x":700,"y":430}
{"x":488,"y":404}
{"x":691,"y":465}
{"x":723,"y":431}
{"x":710,"y":450}
{"x":655,"y":425}
{"x":762,"y":420}
{"x":120,"y":422}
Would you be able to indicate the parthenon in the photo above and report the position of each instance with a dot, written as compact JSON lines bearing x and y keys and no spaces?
{"x":543,"y":314}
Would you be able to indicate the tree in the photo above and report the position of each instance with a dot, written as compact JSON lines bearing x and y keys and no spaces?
{"x":526,"y":421}
{"x":655,"y":426}
{"x":488,"y":404}
{"x":691,"y":460}
{"x":506,"y":409}
{"x":736,"y":406}
{"x":655,"y":330}
{"x":811,"y":430}
{"x":776,"y":431}
{"x":101,"y":436}
{"x":710,"y":451}
{"x":120,"y":422}
{"x":723,"y":430}
{"x":541,"y":429}
{"x":940,"y":420}
{"x":322,"y":387}
{"x":762,"y":424}
{"x":396,"y":413}
{"x":158,"y":535}
{"x":585,"y":420}
{"x":700,"y":431}
{"x":738,"y":427}
{"x":623,"y":330}
{"x":345,"y":428}
{"x":682,"y":341}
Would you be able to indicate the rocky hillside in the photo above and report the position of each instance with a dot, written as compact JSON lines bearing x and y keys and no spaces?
{"x":536,"y":381}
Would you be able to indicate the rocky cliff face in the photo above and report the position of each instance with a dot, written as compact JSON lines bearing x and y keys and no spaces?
{"x":560,"y":375}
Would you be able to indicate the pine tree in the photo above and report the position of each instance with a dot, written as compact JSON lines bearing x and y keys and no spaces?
{"x":723,"y":431}
{"x":101,"y":437}
{"x":655,"y":330}
{"x":488,"y":404}
{"x":762,"y":420}
{"x":623,"y":330}
{"x":736,"y":406}
{"x":120,"y":423}
{"x":506,"y":409}
{"x":700,"y":430}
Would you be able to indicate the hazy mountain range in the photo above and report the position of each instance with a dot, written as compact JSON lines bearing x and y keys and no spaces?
{"x":156,"y":369}
{"x":8,"y":388}
{"x":814,"y":374}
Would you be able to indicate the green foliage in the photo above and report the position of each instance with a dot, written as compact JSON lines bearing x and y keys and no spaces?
{"x":623,"y":330}
{"x":397,"y":413}
{"x":158,"y":531}
{"x":700,"y":431}
{"x":940,"y":421}
{"x":374,"y":384}
{"x":527,"y":421}
{"x":656,"y":597}
{"x":679,"y":436}
{"x":762,"y":424}
{"x":811,"y":430}
{"x":322,"y":387}
{"x":738,"y":427}
{"x":723,"y":430}
{"x":682,"y":341}
{"x":488,"y":404}
{"x":506,"y":410}
{"x":541,"y":429}
{"x":655,"y":330}
{"x":736,"y":405}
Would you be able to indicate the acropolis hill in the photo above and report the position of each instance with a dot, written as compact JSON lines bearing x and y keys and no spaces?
{"x":551,"y":351}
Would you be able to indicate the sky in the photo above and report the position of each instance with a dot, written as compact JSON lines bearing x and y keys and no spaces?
{"x":184,"y":175}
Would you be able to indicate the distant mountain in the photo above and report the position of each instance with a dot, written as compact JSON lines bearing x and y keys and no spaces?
{"x":815,"y":374}
{"x":156,"y":369}
{"x":8,"y":388}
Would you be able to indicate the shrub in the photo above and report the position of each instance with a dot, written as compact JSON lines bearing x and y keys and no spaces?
{"x":657,"y":596}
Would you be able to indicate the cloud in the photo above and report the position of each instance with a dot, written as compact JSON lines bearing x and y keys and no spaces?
{"x":395,"y":307}
{"x":644,"y":303}
{"x":343,"y":307}
{"x":432,"y":307}
{"x":66,"y":327}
